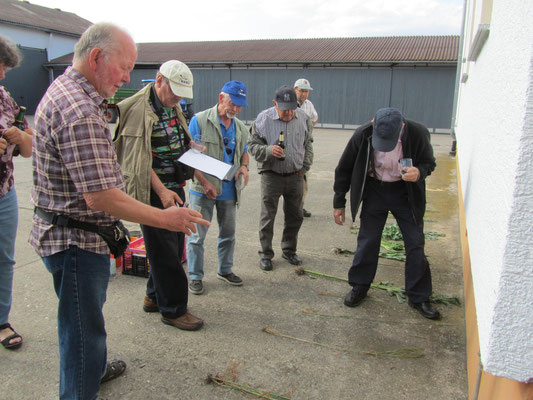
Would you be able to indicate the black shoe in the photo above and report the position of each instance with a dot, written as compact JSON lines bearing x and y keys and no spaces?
{"x":307,"y":214}
{"x":292,"y":258}
{"x":355,"y":296}
{"x":425,"y":309}
{"x":265,"y":264}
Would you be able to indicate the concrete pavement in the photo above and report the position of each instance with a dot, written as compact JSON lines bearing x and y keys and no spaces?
{"x":329,"y":362}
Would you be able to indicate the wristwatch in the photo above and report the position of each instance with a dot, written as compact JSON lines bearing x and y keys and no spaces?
{"x":246,"y":166}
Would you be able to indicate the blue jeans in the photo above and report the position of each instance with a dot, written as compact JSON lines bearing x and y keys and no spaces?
{"x":80,"y":281}
{"x":226,"y":236}
{"x":8,"y":232}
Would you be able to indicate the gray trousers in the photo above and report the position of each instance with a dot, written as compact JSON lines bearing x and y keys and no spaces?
{"x":273,"y":186}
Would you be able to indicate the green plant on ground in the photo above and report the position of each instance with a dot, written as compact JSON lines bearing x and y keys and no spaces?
{"x":403,"y":352}
{"x":260,"y":394}
{"x":389,"y":287}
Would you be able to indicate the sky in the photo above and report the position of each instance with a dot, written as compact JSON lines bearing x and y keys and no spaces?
{"x":203,"y":20}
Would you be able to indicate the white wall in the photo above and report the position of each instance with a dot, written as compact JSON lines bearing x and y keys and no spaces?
{"x":56,"y":44}
{"x":495,"y":152}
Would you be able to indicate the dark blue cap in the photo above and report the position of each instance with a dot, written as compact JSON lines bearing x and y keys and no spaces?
{"x":387,"y":127}
{"x":237,"y":92}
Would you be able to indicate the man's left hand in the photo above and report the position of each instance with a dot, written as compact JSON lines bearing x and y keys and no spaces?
{"x":411,"y":175}
{"x":13,"y":135}
{"x":243,"y":171}
{"x":169,"y":198}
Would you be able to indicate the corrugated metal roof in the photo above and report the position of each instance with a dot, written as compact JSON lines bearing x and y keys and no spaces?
{"x":366,"y":50}
{"x":49,"y":19}
{"x":338,"y":50}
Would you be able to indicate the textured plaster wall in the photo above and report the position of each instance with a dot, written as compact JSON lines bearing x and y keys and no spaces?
{"x":495,"y":150}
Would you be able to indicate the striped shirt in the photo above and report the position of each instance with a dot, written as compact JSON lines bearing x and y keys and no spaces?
{"x":309,"y":109}
{"x":268,"y":126}
{"x":73,"y":154}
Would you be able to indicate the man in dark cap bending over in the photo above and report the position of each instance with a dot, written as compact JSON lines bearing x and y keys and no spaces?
{"x":371,"y":170}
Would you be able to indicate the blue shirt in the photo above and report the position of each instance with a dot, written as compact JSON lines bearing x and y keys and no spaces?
{"x":228,"y":136}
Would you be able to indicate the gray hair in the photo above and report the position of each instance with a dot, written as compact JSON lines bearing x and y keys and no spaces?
{"x":102,"y":35}
{"x":10,"y":55}
{"x":164,"y":79}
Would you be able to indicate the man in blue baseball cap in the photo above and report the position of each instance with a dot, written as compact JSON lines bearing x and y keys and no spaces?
{"x":225,"y":138}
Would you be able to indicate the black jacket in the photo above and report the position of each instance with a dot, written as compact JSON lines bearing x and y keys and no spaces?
{"x":351,"y":172}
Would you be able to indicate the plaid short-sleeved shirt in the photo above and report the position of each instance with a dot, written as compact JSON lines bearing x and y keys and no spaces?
{"x":73,"y":154}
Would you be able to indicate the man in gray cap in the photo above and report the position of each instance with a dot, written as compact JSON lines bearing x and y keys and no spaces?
{"x":302,"y":87}
{"x":151,"y":135}
{"x":371,"y":170}
{"x":282,"y":165}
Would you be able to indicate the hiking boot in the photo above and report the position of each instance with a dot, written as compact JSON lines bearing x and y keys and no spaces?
{"x":196,"y":287}
{"x":231,"y":278}
{"x":187,"y":321}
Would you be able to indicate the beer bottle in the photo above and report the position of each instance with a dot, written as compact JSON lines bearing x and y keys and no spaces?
{"x":19,"y":120}
{"x":281,"y":143}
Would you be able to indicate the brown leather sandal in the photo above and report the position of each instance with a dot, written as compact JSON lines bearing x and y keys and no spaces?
{"x":6,"y":342}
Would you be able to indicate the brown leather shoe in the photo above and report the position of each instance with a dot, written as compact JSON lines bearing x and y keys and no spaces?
{"x":187,"y":322}
{"x":150,"y":305}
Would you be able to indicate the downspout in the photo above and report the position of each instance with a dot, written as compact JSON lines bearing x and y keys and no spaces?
{"x":458,"y":81}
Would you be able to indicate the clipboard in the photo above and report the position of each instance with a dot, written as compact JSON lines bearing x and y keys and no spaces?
{"x":210,"y":165}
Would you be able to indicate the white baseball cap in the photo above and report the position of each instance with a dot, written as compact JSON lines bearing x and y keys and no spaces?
{"x":303,"y":83}
{"x":179,"y":76}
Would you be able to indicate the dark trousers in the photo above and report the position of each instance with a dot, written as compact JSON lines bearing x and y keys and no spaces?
{"x":378,"y":199}
{"x":273,"y":186}
{"x":167,"y":283}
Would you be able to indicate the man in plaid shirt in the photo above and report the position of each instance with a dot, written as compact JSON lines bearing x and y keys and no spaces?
{"x":76,"y":174}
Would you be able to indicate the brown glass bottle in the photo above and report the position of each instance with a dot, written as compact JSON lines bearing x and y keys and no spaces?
{"x":281,"y":143}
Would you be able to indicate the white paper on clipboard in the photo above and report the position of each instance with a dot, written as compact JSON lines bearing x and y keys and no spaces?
{"x":208,"y":164}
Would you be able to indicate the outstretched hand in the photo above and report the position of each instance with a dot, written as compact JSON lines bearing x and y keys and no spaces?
{"x":183,"y":219}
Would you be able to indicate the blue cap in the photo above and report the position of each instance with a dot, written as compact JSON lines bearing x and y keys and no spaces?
{"x":387,"y":127}
{"x":237,"y":92}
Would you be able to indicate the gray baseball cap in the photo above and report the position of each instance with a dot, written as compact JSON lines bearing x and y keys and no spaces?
{"x":386,"y":129}
{"x":286,"y":98}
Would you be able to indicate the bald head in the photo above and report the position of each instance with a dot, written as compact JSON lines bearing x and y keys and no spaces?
{"x":105,"y":55}
{"x":105,"y":36}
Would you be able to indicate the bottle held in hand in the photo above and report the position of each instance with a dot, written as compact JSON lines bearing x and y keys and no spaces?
{"x":281,"y":143}
{"x":19,"y":120}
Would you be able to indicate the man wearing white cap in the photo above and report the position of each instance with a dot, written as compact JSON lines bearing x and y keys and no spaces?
{"x":152,"y":135}
{"x":302,"y":87}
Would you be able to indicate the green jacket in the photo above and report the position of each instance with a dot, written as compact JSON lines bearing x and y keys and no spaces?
{"x":209,"y":125}
{"x":133,"y":142}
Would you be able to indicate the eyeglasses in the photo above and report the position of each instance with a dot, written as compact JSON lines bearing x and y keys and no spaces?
{"x":226,"y":142}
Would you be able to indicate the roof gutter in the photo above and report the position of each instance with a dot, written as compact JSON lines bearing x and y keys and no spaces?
{"x":39,"y":28}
